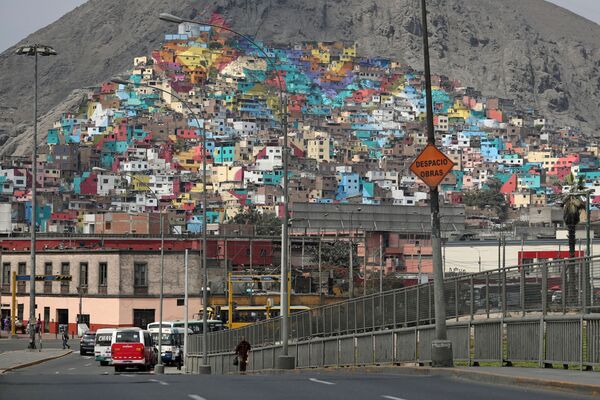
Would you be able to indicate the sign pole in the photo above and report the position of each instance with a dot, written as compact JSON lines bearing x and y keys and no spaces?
{"x":441,"y":350}
{"x":13,"y":305}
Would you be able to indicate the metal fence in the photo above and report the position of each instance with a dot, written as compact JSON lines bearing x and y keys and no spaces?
{"x":571,"y":340}
{"x":494,"y":305}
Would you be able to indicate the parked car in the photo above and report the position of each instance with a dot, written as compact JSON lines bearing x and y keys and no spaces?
{"x":133,"y":347}
{"x":87,"y":343}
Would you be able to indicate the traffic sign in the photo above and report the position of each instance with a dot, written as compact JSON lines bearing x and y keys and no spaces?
{"x":431,"y":166}
{"x":44,"y":277}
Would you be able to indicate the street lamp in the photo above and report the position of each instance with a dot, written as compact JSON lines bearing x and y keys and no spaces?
{"x":34,"y":50}
{"x":479,"y":254}
{"x":160,"y":368}
{"x":351,"y":255}
{"x":284,"y":361}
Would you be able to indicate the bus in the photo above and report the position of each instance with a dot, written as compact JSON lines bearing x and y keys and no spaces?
{"x":194,"y":325}
{"x":172,"y":344}
{"x":246,"y":315}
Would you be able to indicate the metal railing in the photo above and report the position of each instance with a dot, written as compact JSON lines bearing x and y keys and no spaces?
{"x":542,"y":290}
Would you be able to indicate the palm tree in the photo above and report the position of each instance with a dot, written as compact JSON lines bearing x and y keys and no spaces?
{"x":572,"y":204}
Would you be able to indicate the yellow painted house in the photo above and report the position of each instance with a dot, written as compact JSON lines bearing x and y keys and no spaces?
{"x":459,"y":110}
{"x":319,"y":148}
{"x":226,"y":173}
{"x":184,"y":200}
{"x":140,"y":182}
{"x":323,"y":55}
{"x":538,"y":156}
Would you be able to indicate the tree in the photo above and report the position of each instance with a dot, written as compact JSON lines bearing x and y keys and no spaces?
{"x":333,"y":254}
{"x":489,"y":197}
{"x":266,"y":224}
{"x":572,"y":204}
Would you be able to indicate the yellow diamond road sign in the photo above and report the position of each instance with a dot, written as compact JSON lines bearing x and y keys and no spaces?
{"x":431,"y":166}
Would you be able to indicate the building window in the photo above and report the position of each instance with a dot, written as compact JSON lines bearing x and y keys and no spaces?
{"x":83,"y":275}
{"x":48,"y":271}
{"x":6,"y":275}
{"x":65,"y":269}
{"x":102,"y":274}
{"x":21,"y":270}
{"x":140,"y":272}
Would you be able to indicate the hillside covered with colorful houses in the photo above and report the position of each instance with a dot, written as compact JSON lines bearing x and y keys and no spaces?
{"x":355,"y":126}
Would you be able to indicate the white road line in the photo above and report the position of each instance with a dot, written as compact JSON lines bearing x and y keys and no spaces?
{"x":157,"y":381}
{"x":392,"y":398}
{"x":323,"y":382}
{"x":88,"y":364}
{"x":57,"y":372}
{"x":195,"y":397}
{"x":71,"y":369}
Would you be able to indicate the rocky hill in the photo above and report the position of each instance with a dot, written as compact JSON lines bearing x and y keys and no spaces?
{"x":533,"y":51}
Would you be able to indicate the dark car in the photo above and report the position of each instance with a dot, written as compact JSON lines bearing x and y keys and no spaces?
{"x":87,"y":343}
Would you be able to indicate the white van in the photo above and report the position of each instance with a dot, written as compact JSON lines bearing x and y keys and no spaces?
{"x":132,"y":347}
{"x":172,"y":344}
{"x":102,"y":345}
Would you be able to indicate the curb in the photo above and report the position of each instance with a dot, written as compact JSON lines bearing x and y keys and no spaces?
{"x":538,"y":383}
{"x":475,"y":376}
{"x":29,"y":364}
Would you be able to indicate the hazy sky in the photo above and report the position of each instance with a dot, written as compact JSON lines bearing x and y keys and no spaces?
{"x":18,"y":18}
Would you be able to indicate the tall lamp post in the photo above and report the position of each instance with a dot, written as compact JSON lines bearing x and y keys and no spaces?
{"x":160,"y":368}
{"x":284,"y":361}
{"x":441,"y":347}
{"x":479,"y":256}
{"x":34,"y":50}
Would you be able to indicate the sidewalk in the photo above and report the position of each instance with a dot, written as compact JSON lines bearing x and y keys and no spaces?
{"x":45,"y":336}
{"x":25,"y":358}
{"x":582,"y":382}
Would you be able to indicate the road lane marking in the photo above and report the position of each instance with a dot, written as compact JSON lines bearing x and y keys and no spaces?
{"x":157,"y":381}
{"x":88,"y":364}
{"x":195,"y":397}
{"x":71,"y":369}
{"x":319,"y":381}
{"x":392,"y":398}
{"x":57,"y":372}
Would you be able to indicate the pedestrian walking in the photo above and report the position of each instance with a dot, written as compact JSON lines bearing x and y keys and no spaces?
{"x":242,"y":350}
{"x":65,"y":339}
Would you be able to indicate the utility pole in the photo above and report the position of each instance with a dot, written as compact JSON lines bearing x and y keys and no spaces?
{"x":441,"y":347}
{"x":499,"y":248}
{"x":503,"y":251}
{"x":351,"y":271}
{"x":365,"y":267}
{"x":186,"y":310}
{"x":320,"y":274}
{"x":381,"y":263}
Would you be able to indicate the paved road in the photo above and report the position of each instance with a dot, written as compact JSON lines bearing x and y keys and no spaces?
{"x":21,"y":344}
{"x":76,"y":376}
